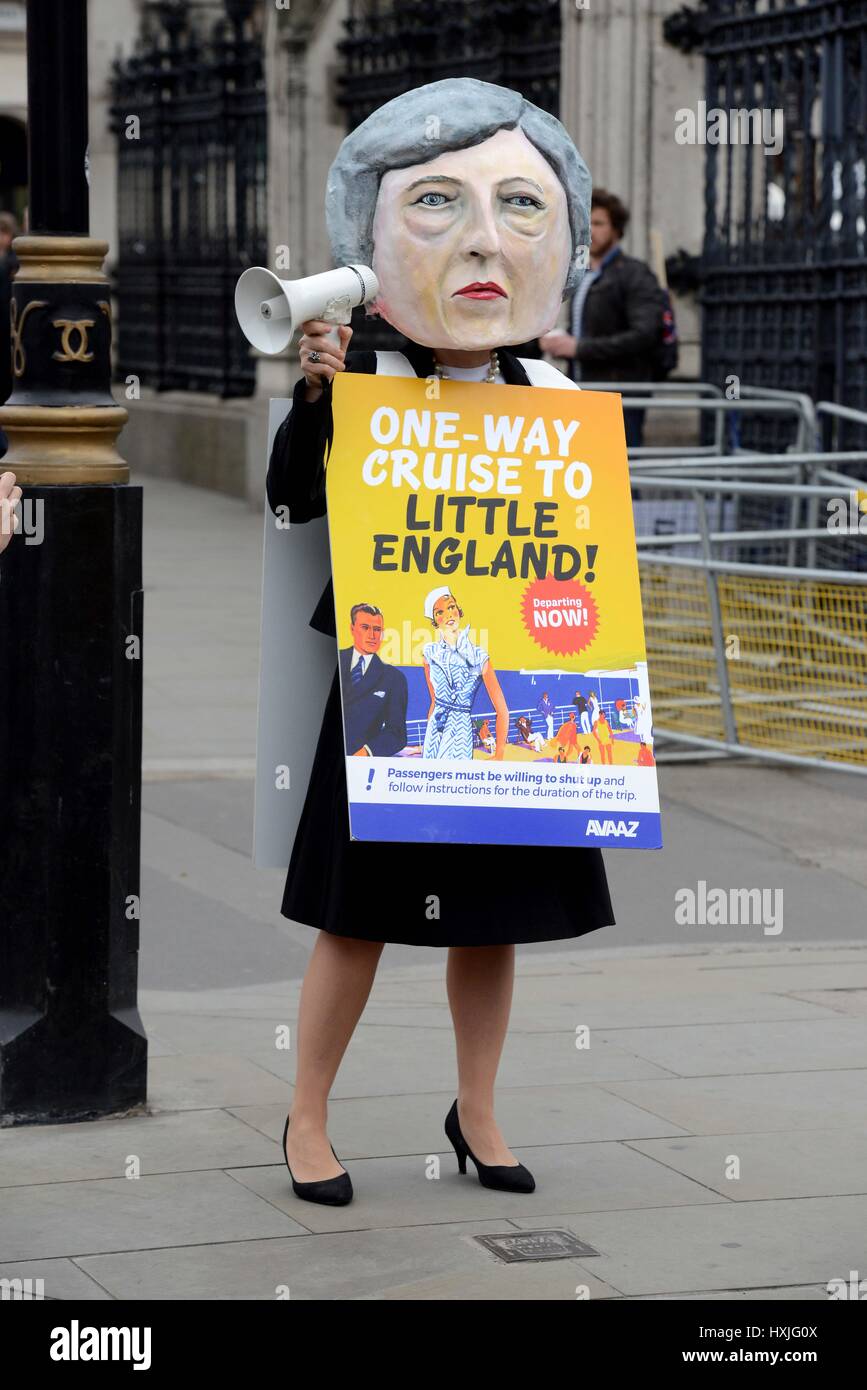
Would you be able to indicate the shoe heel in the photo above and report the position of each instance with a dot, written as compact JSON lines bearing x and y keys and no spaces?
{"x":455,"y":1138}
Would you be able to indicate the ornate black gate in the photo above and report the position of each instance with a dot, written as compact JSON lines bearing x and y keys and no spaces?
{"x":392,"y":46}
{"x":784,"y":272}
{"x":189,"y":114}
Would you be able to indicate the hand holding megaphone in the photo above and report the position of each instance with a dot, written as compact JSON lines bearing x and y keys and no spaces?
{"x":320,"y":357}
{"x":270,"y":310}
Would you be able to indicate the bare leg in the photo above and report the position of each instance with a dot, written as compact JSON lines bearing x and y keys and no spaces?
{"x":479,"y":980}
{"x":336,"y":986}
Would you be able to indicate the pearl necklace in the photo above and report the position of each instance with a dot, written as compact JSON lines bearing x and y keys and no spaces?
{"x":493,"y":369}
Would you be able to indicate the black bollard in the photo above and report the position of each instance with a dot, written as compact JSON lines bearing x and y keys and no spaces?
{"x":72,"y":1044}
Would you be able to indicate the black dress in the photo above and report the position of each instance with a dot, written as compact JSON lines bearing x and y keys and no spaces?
{"x":416,"y":894}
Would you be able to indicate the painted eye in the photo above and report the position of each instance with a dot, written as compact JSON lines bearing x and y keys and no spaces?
{"x":524,"y":200}
{"x":424,"y":200}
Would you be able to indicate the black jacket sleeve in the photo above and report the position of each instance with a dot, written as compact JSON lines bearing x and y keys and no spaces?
{"x":642,"y":302}
{"x":296,"y":469}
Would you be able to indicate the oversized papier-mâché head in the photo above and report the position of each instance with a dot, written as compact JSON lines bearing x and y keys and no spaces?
{"x":471,"y":204}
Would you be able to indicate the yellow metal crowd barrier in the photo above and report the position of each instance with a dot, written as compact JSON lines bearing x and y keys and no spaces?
{"x":782,"y":670}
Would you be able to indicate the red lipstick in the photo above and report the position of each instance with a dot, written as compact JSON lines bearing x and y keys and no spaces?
{"x":478,"y":290}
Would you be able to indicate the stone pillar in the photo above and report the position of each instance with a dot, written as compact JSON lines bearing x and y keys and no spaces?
{"x":621,"y":87}
{"x":112,"y":26}
{"x":305,"y":128}
{"x":13,"y":64}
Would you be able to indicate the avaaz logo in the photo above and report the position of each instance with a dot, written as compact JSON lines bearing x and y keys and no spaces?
{"x":627,"y":828}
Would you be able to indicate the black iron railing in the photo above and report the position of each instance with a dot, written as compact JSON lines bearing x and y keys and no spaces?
{"x":189,"y":115}
{"x":784,"y":274}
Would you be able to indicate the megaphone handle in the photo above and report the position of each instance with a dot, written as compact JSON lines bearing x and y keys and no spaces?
{"x":333,"y":336}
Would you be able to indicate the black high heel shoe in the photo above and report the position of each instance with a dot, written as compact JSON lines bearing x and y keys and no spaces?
{"x":329,"y":1192}
{"x":504,"y":1178}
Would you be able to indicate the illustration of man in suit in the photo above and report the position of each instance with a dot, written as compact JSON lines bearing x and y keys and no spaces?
{"x":374,"y":695}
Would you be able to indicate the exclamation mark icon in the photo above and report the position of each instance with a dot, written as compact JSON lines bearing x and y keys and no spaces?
{"x":370,"y":777}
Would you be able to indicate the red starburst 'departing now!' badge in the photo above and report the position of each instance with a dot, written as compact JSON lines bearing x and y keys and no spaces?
{"x":560,"y":614}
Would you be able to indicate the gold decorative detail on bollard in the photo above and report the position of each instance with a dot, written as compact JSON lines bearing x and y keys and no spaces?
{"x":63,"y":443}
{"x":69,"y":353}
{"x":19,"y":356}
{"x":60,"y":258}
{"x":105,"y":306}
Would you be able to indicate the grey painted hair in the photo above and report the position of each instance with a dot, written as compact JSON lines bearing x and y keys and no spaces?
{"x":421,"y":125}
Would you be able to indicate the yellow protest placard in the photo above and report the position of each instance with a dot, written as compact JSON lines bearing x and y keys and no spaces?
{"x":493,"y":667}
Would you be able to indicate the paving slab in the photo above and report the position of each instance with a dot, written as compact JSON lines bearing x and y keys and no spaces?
{"x":80,"y":1218}
{"x":346,"y":1266}
{"x":664,"y":1011}
{"x":753,"y":1103}
{"x":61,"y":1279}
{"x":215,"y":938}
{"x":239,"y":1036}
{"x":399,"y":1192}
{"x":789,"y":977}
{"x":721,"y":1245}
{"x":710,"y":973}
{"x":220,"y":1003}
{"x":550,"y":1281}
{"x":391,"y":1061}
{"x":219,"y":872}
{"x":819,"y":1044}
{"x":787,"y":1163}
{"x":378,"y":1126}
{"x":789,"y":955}
{"x":158,"y":1048}
{"x":786,"y":811}
{"x":795,"y":1293}
{"x":844,"y":999}
{"x":638,"y":978}
{"x":206,"y":1081}
{"x":161,"y":1143}
{"x":662,"y":957}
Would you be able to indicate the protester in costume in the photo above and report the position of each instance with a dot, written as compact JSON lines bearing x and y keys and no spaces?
{"x":472,"y":207}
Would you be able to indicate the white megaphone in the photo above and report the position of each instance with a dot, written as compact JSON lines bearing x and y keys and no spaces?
{"x":269,"y":309}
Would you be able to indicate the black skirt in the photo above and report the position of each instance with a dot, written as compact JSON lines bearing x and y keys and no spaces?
{"x":430,"y":894}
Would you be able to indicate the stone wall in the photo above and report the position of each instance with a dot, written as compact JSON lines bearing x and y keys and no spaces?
{"x":621,"y":86}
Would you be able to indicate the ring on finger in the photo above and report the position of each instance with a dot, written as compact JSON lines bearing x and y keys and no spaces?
{"x":314,"y":356}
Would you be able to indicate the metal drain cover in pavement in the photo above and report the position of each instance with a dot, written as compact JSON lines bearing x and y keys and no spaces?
{"x":536,"y":1245}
